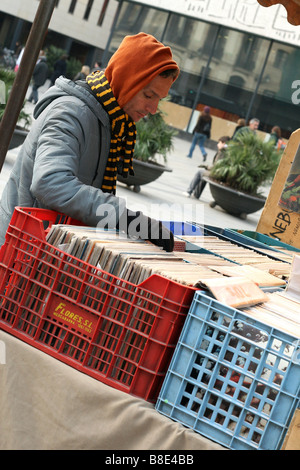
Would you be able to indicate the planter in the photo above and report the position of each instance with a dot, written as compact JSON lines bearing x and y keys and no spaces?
{"x":144,"y":173}
{"x":18,"y":138}
{"x":232,"y":201}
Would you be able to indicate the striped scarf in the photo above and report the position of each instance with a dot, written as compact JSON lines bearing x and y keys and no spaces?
{"x":123,"y":133}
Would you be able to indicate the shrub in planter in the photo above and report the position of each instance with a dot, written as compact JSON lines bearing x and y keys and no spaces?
{"x":235,"y":180}
{"x":7,"y":77}
{"x":154,"y":139}
{"x":153,"y":143}
{"x":247,"y":165}
{"x":54,"y":53}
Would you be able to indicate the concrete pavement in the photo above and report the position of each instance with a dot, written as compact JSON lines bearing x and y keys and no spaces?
{"x":163,"y":198}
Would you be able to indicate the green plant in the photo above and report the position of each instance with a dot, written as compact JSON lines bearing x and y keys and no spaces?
{"x":73,"y":67}
{"x":7,"y":78}
{"x":54,"y":53}
{"x":248,"y":164}
{"x":154,"y":138}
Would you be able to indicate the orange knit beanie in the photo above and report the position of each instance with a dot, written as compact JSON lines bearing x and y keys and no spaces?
{"x":137,"y":61}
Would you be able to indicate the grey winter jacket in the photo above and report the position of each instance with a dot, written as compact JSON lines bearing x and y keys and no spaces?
{"x":61,"y":164}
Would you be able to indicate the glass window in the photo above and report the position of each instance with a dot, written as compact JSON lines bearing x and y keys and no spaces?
{"x":102,"y":13}
{"x":238,"y":74}
{"x":229,"y":85}
{"x":215,"y":67}
{"x":72,"y":6}
{"x":134,"y":19}
{"x":191,"y":49}
{"x":246,"y":57}
{"x":280,"y":58}
{"x":274,"y":103}
{"x":88,"y":9}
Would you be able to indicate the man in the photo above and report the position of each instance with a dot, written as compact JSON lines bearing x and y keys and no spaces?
{"x":198,"y":184}
{"x":252,"y":127}
{"x":201,"y":133}
{"x":60,"y":68}
{"x":84,"y":135}
{"x":39,"y":76}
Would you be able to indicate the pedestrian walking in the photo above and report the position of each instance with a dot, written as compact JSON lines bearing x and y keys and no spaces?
{"x":201,"y":133}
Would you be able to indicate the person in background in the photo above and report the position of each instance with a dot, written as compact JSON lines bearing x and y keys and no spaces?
{"x":252,"y":127}
{"x":96,"y":67}
{"x":19,"y":58}
{"x":201,"y":133}
{"x":18,"y":48}
{"x":84,"y":136}
{"x":39,"y":77}
{"x":240,"y":123}
{"x":85,"y":70}
{"x":274,"y":135}
{"x":60,"y":68}
{"x":198,"y":184}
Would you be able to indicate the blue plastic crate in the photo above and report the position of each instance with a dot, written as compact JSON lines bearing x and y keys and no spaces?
{"x":232,"y":379}
{"x":262,"y":239}
{"x":182,"y":228}
{"x":234,"y":236}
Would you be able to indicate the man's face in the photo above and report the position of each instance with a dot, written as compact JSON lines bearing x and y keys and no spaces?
{"x":254,"y":125}
{"x":146,"y":100}
{"x":221,"y":145}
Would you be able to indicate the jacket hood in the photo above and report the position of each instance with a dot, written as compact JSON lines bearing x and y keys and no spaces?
{"x":65,"y":87}
{"x":145,"y":57}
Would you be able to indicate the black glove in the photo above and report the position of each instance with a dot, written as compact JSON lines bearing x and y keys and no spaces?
{"x":159,"y":235}
{"x":137,"y":225}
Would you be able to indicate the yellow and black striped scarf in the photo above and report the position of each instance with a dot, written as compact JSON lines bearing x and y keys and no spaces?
{"x":123,"y":133}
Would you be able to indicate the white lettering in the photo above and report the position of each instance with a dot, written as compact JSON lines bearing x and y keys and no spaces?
{"x":296,"y":94}
{"x":115,"y":460}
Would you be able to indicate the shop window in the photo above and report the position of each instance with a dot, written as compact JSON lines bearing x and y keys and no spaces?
{"x":235,"y":72}
{"x":135,"y":18}
{"x":220,"y":42}
{"x":234,"y":88}
{"x":248,"y":52}
{"x":280,"y":58}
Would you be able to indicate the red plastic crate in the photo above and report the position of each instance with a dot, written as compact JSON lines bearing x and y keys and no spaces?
{"x":119,"y":333}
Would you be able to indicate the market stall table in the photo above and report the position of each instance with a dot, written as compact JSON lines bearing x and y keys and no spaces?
{"x":47,"y":405}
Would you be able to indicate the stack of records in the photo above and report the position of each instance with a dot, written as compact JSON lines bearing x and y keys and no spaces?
{"x":245,"y":256}
{"x":135,"y":260}
{"x":280,"y":311}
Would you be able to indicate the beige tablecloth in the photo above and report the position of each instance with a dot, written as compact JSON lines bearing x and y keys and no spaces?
{"x":47,"y":405}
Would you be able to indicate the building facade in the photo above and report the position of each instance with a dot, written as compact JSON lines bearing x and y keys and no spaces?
{"x":80,"y":27}
{"x":239,"y":58}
